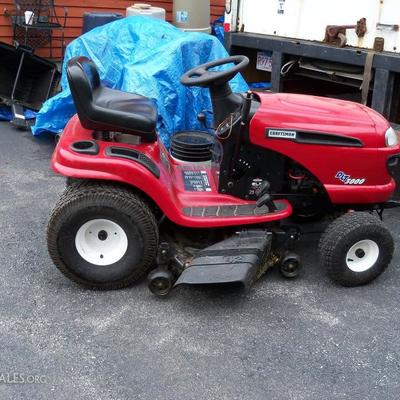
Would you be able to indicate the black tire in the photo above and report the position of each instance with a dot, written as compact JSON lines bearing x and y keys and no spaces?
{"x":290,"y":265}
{"x":340,"y":237}
{"x":71,"y":181}
{"x":88,"y":201}
{"x":160,"y":282}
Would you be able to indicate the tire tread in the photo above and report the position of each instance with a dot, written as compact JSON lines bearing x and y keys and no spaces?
{"x":86,"y":192}
{"x":338,"y":230}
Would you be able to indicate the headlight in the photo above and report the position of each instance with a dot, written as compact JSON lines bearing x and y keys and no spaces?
{"x":391,"y":138}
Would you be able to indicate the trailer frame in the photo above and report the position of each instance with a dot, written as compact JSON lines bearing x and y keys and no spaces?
{"x":384,"y":64}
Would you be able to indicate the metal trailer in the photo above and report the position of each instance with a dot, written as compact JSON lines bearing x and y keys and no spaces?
{"x":287,"y":33}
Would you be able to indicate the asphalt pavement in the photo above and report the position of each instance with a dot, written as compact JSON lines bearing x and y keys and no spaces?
{"x":285,"y":339}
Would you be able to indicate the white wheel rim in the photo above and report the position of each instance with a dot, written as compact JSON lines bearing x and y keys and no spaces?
{"x":362,"y":255}
{"x":101,"y":242}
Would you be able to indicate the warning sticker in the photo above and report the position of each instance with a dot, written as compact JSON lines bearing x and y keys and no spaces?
{"x":196,"y":181}
{"x":281,"y":7}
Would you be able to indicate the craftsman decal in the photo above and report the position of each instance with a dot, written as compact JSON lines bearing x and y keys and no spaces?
{"x":281,"y":134}
{"x":348,"y":180}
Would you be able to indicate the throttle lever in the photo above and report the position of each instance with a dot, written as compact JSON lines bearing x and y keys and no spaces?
{"x":266,"y":200}
{"x":262,"y":189}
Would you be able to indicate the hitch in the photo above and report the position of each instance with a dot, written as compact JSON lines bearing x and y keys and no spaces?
{"x":336,"y":34}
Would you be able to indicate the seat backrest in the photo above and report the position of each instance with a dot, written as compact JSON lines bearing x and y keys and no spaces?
{"x":83,"y":79}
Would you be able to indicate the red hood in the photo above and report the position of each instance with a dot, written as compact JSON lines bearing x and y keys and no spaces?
{"x":320,"y":114}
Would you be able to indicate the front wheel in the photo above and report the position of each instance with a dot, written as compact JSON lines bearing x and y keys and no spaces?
{"x":356,"y":248}
{"x":102,"y":236}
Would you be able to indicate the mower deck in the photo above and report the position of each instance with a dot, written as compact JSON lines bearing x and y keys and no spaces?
{"x":240,"y":259}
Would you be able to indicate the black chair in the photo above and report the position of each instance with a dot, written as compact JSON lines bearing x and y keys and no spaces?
{"x":26,"y":80}
{"x":109,"y":110}
{"x":40,"y":29}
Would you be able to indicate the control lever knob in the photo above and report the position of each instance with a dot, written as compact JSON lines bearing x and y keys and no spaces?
{"x":266,"y":200}
{"x":262,"y":189}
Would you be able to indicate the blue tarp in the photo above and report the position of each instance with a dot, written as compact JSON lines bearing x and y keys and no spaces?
{"x":145,"y":56}
{"x":260,"y":85}
{"x":218,"y":29}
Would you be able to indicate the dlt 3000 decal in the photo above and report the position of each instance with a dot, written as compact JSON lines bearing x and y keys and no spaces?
{"x":348,"y":180}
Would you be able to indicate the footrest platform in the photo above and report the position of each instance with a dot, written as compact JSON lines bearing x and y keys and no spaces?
{"x":242,"y":210}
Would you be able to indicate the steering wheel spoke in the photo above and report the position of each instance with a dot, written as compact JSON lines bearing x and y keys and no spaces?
{"x":203,"y":76}
{"x":197,"y":72}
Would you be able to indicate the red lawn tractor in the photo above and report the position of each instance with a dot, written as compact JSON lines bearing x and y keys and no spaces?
{"x":211,"y":208}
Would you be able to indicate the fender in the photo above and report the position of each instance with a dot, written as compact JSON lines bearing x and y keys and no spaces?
{"x":103,"y":167}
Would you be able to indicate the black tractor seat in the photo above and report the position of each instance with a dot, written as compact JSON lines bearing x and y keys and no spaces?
{"x":104,"y":109}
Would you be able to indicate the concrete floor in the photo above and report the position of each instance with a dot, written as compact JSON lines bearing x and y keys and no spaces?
{"x":301,"y":339}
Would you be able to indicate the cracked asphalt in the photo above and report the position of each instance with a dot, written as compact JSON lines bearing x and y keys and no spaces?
{"x":285,"y":339}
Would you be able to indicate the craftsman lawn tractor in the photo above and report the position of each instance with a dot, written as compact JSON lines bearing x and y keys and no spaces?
{"x":211,"y":208}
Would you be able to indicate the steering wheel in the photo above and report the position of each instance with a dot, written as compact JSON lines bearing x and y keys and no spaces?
{"x":203,"y":76}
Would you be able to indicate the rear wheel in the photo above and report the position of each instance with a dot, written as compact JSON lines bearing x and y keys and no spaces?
{"x":102,"y":236}
{"x":356,"y":248}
